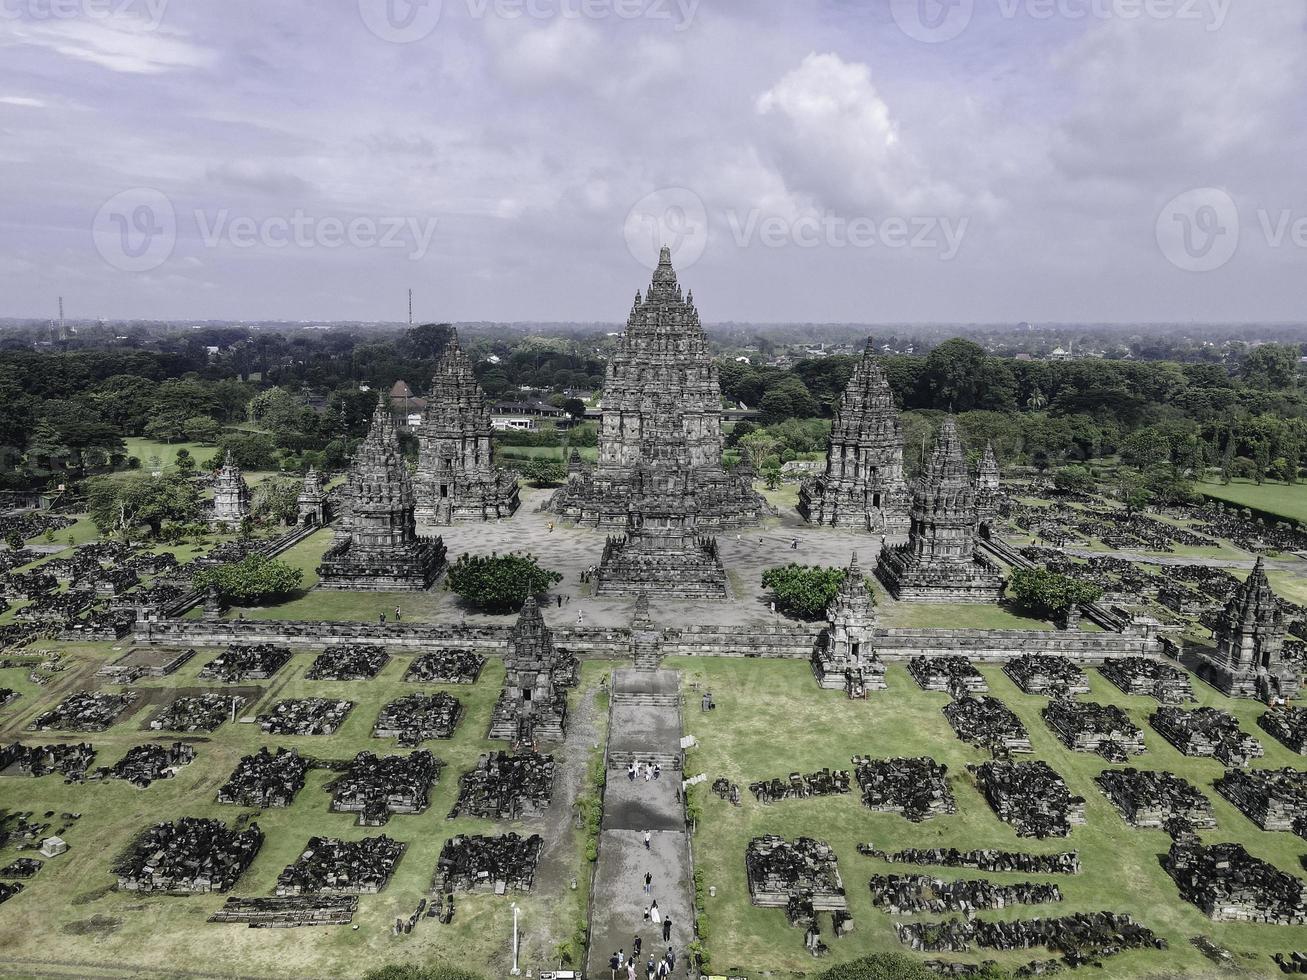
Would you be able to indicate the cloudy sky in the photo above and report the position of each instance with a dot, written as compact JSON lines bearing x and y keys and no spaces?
{"x":809,"y":160}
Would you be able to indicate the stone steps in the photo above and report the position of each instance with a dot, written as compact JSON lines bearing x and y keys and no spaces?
{"x":633,"y":697}
{"x":664,"y":760}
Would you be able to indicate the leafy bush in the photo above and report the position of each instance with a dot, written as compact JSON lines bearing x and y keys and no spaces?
{"x":805,"y":590}
{"x":499,"y":583}
{"x":883,"y":966}
{"x":409,"y":971}
{"x":251,"y":580}
{"x":1049,"y":594}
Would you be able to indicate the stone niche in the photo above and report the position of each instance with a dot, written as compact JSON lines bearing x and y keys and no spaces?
{"x":1206,"y":733}
{"x":375,"y":787}
{"x":1152,"y":799}
{"x":474,"y":863}
{"x":914,"y":788}
{"x":336,"y":867}
{"x":1030,"y":796}
{"x":189,"y":856}
{"x":506,"y":787}
{"x":265,"y":779}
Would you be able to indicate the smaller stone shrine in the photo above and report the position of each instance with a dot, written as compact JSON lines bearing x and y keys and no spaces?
{"x":473,"y":863}
{"x":1030,"y":796}
{"x":414,"y":718}
{"x":985,"y":859}
{"x":915,"y":788}
{"x":913,"y":894}
{"x":143,"y":764}
{"x":1046,"y":673}
{"x":231,"y":495}
{"x":377,"y":547}
{"x":824,"y":782}
{"x":375,"y":786}
{"x":1288,"y":725}
{"x":312,"y":506}
{"x":348,"y":662}
{"x":256,"y":662}
{"x":1084,"y":726}
{"x":948,"y":674}
{"x":1206,"y":733}
{"x":844,"y":657}
{"x":190,"y":856}
{"x":989,"y":490}
{"x":265,"y":779}
{"x":305,"y":716}
{"x":1145,"y":677}
{"x":1271,"y":798}
{"x":337,"y":867}
{"x":660,"y":560}
{"x":801,"y":877}
{"x":1230,"y":885}
{"x":446,"y":667}
{"x":86,"y":711}
{"x":940,"y":563}
{"x":1248,"y":661}
{"x":506,"y":787}
{"x":68,"y":759}
{"x":987,"y":723}
{"x":198,"y":713}
{"x":533,"y":703}
{"x":862,"y":485}
{"x":1151,"y":799}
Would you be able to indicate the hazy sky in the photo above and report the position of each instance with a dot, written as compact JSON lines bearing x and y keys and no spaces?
{"x":811,"y":160}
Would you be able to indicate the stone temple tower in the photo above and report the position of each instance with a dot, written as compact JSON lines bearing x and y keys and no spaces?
{"x":862,"y":486}
{"x":939,"y":563}
{"x":311,"y":506}
{"x":533,"y":703}
{"x":231,"y":495}
{"x":457,"y":479}
{"x":844,"y":657}
{"x":988,"y":488}
{"x":1248,"y":661}
{"x":662,"y":403}
{"x":378,"y":547}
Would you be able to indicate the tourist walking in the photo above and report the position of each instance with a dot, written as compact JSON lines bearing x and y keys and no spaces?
{"x":667,"y":930}
{"x":615,"y":963}
{"x":647,"y":838}
{"x":636,"y":944}
{"x":648,"y":883}
{"x":650,"y":969}
{"x":654,"y":915}
{"x":646,"y":919}
{"x":398,"y":614}
{"x":630,"y":969}
{"x":382,"y":619}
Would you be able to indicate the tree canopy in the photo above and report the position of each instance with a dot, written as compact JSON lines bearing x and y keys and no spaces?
{"x":499,"y":583}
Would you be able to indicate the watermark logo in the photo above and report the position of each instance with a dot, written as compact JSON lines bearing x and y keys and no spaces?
{"x":672,"y":216}
{"x":932,"y":21}
{"x":148,"y":13}
{"x":136,"y":230}
{"x":1198,"y":231}
{"x":401,"y":21}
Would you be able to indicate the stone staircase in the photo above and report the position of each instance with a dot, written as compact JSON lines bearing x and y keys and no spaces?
{"x":640,"y":697}
{"x":667,"y":761}
{"x":646,"y":649}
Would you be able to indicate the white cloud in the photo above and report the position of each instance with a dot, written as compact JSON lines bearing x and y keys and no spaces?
{"x":126,"y":44}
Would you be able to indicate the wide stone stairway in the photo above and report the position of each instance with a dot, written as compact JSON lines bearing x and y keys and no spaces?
{"x":644,"y":726}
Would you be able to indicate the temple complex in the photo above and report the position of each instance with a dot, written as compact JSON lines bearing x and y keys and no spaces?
{"x":311,"y":507}
{"x":457,"y":479}
{"x":377,"y":547}
{"x":988,"y":492}
{"x":863,"y":484}
{"x":1248,"y":661}
{"x":533,"y":703}
{"x":939,"y":563}
{"x":662,"y":410}
{"x":231,"y":495}
{"x":844,"y":658}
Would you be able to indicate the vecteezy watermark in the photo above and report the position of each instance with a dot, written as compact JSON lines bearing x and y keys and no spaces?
{"x":1198,"y":231}
{"x":148,"y":13}
{"x":136,"y":230}
{"x":672,"y":217}
{"x":941,"y":234}
{"x":406,"y":21}
{"x":934,"y":21}
{"x":303,"y":230}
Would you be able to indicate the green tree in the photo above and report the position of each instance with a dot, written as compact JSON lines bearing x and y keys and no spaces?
{"x":1049,"y":594}
{"x":499,"y":583}
{"x":543,"y":472}
{"x":201,"y":428}
{"x":804,"y":590}
{"x":277,"y":500}
{"x":120,"y":506}
{"x":1074,"y":479}
{"x":167,"y":426}
{"x":185,"y":462}
{"x":253,"y":579}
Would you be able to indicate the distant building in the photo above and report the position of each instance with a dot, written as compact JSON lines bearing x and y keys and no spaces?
{"x":524,"y":416}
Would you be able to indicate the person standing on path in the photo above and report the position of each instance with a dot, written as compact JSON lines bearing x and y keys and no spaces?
{"x":615,"y":962}
{"x":398,"y":615}
{"x":647,"y":838}
{"x":650,"y":969}
{"x":667,"y":930}
{"x":636,"y":945}
{"x":648,"y":885}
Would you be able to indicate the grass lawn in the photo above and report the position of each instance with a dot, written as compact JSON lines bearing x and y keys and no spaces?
{"x":980,"y":616}
{"x":772,"y":719}
{"x":1275,"y":498}
{"x":588,"y":453}
{"x":70,"y":914}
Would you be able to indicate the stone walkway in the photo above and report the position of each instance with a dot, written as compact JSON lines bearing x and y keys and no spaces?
{"x":645,"y":722}
{"x":1272,"y":564}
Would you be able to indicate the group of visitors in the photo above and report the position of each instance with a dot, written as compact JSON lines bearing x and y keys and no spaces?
{"x":625,"y":966}
{"x":643,"y":770}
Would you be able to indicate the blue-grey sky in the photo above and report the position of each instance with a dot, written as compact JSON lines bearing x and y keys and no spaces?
{"x":810,"y":160}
